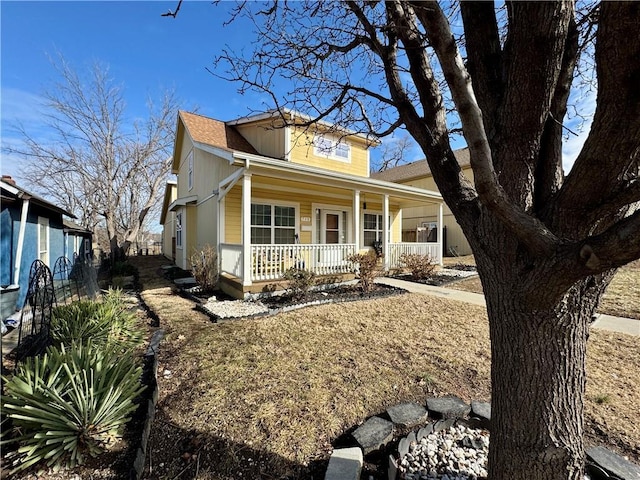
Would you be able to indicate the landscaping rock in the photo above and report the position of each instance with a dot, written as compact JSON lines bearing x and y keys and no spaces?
{"x":345,"y":464}
{"x":185,"y":282}
{"x":423,"y":432}
{"x":448,"y":407}
{"x":614,"y":463}
{"x":373,"y":434}
{"x":407,"y":414}
{"x":481,"y":409}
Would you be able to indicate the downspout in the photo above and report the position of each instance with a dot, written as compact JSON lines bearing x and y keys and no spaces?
{"x":23,"y":226}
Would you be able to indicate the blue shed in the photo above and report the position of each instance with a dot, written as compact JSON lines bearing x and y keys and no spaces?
{"x":31,"y":228}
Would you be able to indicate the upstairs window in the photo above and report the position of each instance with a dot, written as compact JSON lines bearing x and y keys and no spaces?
{"x":333,"y":148}
{"x":190,"y":172}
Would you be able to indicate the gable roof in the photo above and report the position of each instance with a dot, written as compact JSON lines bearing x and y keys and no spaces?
{"x":418,"y":169}
{"x":215,"y":133}
{"x":12,"y":192}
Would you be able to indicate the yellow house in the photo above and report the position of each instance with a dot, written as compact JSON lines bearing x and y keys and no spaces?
{"x":270,"y":194}
{"x":421,"y":222}
{"x":168,"y":220}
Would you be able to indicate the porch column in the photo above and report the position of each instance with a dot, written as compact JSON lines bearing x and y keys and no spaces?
{"x":356,"y":219}
{"x":385,"y":232}
{"x":246,"y":229}
{"x":440,"y":230}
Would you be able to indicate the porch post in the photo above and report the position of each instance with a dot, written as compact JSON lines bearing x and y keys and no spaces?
{"x":385,"y":230}
{"x":440,"y":230}
{"x":246,"y":229}
{"x":356,"y":219}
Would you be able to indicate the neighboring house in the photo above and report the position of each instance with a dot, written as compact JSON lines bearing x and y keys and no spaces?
{"x":168,"y":220}
{"x":421,"y":222}
{"x":270,"y":196}
{"x":31,"y":228}
{"x":78,"y":242}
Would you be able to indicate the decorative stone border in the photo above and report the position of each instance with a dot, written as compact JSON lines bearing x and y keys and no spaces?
{"x":376,"y":433}
{"x":151,"y":363}
{"x":392,"y":291}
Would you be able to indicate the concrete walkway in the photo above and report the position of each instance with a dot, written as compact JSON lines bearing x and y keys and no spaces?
{"x":629,"y":326}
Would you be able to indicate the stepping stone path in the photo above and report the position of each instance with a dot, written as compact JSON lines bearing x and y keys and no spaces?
{"x":407,"y":415}
{"x":614,"y":463}
{"x":373,"y":434}
{"x":345,"y":464}
{"x":448,"y":407}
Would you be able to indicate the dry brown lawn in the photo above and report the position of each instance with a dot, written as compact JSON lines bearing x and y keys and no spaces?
{"x":267,"y":396}
{"x":622,"y":297}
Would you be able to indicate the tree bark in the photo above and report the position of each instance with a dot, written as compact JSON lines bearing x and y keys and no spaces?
{"x":537,"y":365}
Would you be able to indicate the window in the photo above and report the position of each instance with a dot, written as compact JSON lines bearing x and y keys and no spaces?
{"x":431,"y":231}
{"x":273,"y":224}
{"x":179,"y":230}
{"x":190,"y":166}
{"x":43,"y":239}
{"x":336,"y":149}
{"x":372,"y":226}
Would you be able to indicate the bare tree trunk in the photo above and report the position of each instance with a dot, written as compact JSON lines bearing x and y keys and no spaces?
{"x":538,"y":372}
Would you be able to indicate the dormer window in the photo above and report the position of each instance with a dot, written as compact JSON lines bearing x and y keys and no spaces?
{"x":331,"y":147}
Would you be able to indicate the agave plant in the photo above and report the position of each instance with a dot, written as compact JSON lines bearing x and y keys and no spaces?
{"x":70,"y":403}
{"x":106,"y":322}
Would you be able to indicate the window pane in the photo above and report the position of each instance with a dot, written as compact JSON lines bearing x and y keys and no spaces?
{"x":260,"y":235}
{"x":284,"y":235}
{"x":332,"y":222}
{"x":285,"y":216}
{"x":342,"y":150}
{"x":260,"y":214}
{"x":369,"y":238}
{"x":43,"y":237}
{"x":370,"y":221}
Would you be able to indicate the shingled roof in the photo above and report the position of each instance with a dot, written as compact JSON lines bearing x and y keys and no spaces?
{"x":215,"y":133}
{"x":417,"y":169}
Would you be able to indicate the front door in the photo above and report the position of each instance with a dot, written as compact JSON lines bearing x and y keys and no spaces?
{"x":332,"y":227}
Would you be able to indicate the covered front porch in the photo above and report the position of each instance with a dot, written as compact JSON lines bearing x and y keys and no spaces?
{"x":275,"y":216}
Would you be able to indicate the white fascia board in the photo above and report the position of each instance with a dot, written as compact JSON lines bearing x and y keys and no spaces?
{"x":220,"y":152}
{"x":181,"y":202}
{"x":294,"y":171}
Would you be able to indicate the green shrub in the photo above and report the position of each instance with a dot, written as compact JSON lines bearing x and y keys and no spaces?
{"x":367,"y":268}
{"x":300,"y":281}
{"x":70,"y":403}
{"x":204,"y":267}
{"x":420,"y":266}
{"x":106,"y":322}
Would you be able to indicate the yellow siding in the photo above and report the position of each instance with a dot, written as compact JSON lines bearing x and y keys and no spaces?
{"x":302,"y":152}
{"x":268,"y":138}
{"x":274,"y":191}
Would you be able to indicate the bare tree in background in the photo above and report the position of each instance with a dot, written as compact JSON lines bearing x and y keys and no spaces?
{"x":546,"y":244}
{"x":105,"y":169}
{"x":395,"y":152}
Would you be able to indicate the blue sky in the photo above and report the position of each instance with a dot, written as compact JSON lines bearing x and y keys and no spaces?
{"x":146,"y":53}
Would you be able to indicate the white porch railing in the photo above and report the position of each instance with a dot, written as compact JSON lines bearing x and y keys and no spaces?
{"x":396,"y":249}
{"x":231,"y":259}
{"x":269,"y":262}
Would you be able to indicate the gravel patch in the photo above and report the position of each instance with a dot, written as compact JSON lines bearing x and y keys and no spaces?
{"x":234,"y":308}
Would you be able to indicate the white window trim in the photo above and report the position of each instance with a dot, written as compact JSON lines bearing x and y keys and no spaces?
{"x":381,"y":229}
{"x":190,"y":170}
{"x":330,"y":153}
{"x":277,"y":203}
{"x":44,"y":221}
